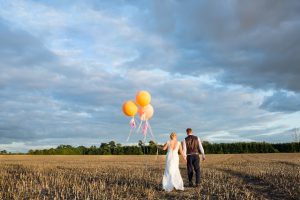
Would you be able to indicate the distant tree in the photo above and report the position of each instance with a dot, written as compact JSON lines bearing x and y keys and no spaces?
{"x":82,"y":150}
{"x":119,"y":149}
{"x":93,"y":150}
{"x":112,"y":144}
{"x":105,"y":149}
{"x":152,"y":147}
{"x":152,"y":143}
{"x":296,"y":136}
{"x":3,"y":152}
{"x":141,"y":143}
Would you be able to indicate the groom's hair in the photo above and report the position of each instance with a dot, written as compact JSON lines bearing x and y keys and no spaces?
{"x":188,"y":130}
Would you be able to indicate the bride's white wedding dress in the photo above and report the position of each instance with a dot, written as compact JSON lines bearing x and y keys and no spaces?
{"x":172,"y":178}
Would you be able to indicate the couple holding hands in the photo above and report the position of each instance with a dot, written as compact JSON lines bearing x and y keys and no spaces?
{"x":189,"y":149}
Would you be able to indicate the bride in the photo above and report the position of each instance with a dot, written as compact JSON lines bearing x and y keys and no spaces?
{"x":172,"y":178}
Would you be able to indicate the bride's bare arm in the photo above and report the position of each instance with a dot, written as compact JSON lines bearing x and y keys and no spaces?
{"x":181,"y":152}
{"x":165,"y":146}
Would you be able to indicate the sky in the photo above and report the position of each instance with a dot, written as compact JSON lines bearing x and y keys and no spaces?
{"x":228,"y":69}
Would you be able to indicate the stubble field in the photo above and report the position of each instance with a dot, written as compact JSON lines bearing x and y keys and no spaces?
{"x":241,"y":176}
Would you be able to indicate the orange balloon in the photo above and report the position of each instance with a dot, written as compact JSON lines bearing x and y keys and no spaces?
{"x":146,"y":112}
{"x":130,"y":108}
{"x":143,"y":98}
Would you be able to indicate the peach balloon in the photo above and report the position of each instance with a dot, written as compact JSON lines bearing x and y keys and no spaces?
{"x":130,"y":108}
{"x":146,"y":112}
{"x":143,"y":98}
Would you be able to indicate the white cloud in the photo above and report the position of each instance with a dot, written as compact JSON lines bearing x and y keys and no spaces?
{"x":73,"y":66}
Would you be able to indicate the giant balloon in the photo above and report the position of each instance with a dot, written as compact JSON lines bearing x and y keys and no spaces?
{"x":130,"y":108}
{"x":146,"y":112}
{"x":143,"y":98}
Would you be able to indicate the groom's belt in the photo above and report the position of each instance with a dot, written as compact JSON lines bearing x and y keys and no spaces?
{"x":189,"y":154}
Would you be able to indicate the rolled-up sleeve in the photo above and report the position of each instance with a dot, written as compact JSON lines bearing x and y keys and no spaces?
{"x":201,"y":147}
{"x":184,"y":147}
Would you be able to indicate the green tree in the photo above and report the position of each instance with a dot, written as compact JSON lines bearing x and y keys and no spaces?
{"x":105,"y":149}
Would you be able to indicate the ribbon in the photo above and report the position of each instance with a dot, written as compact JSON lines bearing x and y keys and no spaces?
{"x":132,"y":123}
{"x":132,"y":127}
{"x":145,"y":128}
{"x":142,"y":118}
{"x":150,"y":130}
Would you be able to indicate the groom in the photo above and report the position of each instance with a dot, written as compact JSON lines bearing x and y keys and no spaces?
{"x":192,"y":147}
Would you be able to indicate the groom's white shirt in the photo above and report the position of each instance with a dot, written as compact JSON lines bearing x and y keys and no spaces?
{"x":200,"y":147}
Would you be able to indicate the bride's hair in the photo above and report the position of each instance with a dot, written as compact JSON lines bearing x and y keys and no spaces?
{"x":172,"y":135}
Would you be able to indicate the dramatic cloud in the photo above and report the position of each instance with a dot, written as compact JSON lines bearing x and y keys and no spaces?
{"x":251,"y":43}
{"x":282,"y":102}
{"x":227,"y":69}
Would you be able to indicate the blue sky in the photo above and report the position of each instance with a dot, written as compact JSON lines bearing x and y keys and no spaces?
{"x":228,"y":69}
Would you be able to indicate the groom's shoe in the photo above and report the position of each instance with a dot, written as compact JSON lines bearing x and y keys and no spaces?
{"x":191,"y":184}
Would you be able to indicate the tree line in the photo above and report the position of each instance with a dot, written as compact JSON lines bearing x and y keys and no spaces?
{"x":152,"y":148}
{"x":251,"y":147}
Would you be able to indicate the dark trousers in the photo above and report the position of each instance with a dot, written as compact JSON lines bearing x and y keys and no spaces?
{"x":193,"y":165}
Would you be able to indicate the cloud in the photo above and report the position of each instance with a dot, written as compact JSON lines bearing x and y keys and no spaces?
{"x":282,"y":102}
{"x":25,"y":49}
{"x":276,"y":137}
{"x":66,"y":69}
{"x":224,"y":136}
{"x":252,"y":44}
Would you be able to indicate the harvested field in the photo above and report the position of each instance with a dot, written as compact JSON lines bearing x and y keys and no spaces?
{"x":238,"y":176}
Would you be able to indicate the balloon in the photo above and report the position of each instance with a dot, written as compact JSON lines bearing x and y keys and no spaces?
{"x":143,"y":98}
{"x":130,"y":108}
{"x":146,"y":112}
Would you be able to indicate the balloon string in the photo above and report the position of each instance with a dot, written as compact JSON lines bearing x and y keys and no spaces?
{"x":152,"y":135}
{"x":140,"y":125}
{"x":145,"y":128}
{"x":130,"y":132}
{"x":132,"y":127}
{"x":153,"y":138}
{"x":132,"y":123}
{"x":150,"y":130}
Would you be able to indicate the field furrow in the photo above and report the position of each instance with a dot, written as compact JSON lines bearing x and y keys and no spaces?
{"x":229,"y":176}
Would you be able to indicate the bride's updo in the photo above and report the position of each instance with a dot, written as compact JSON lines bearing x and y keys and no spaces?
{"x":172,"y":135}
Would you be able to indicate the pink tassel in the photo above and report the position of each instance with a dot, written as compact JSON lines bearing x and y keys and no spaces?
{"x":145,"y":129}
{"x":132,"y":123}
{"x":132,"y":127}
